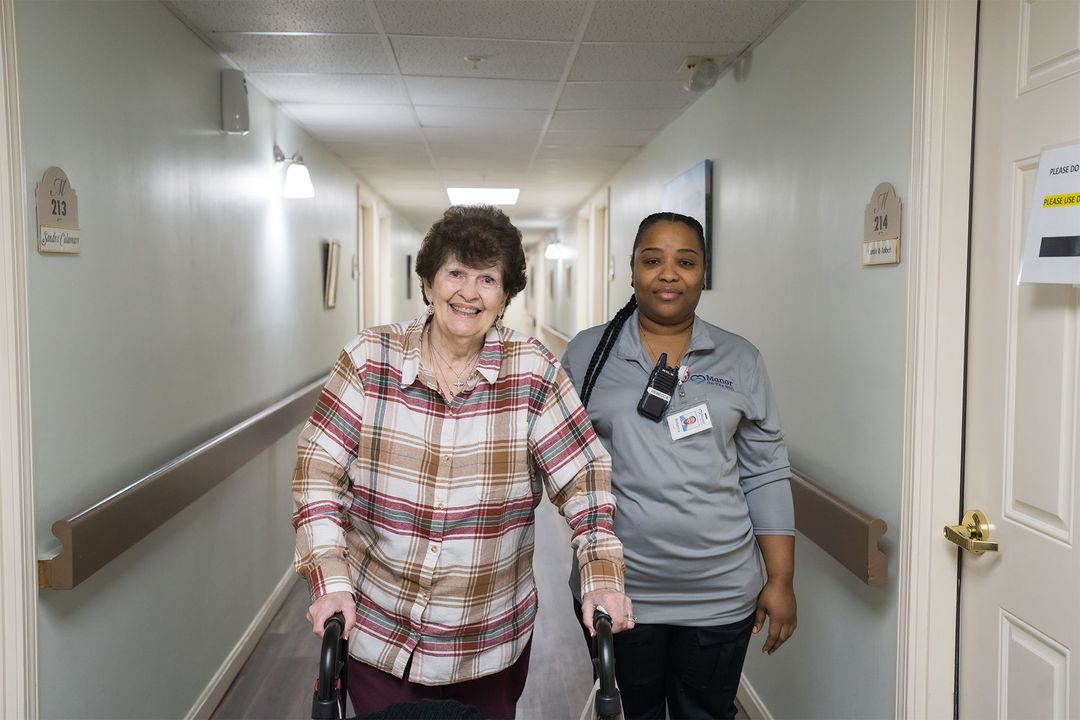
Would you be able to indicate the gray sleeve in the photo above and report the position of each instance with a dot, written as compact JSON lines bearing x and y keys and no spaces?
{"x":759,"y":441}
{"x":771,"y":509}
{"x":572,"y":362}
{"x":569,"y":368}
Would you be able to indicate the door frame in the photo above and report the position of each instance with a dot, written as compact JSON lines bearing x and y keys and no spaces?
{"x":18,"y":574}
{"x":937,"y":255}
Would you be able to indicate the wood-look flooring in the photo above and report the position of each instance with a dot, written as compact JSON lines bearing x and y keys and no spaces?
{"x":278,"y":679}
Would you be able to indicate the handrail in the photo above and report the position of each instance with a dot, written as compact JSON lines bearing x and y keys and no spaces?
{"x":94,"y":537}
{"x":556,"y":333}
{"x":840,"y":529}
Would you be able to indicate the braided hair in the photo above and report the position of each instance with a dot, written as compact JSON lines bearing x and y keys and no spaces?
{"x":611,"y":332}
{"x":600,"y":354}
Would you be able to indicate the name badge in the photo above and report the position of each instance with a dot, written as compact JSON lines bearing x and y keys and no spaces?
{"x":691,"y":421}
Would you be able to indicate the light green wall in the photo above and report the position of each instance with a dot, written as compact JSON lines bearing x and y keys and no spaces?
{"x":197,"y":299}
{"x":800,"y":135}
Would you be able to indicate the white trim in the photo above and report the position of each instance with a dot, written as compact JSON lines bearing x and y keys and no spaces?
{"x":751,"y":702}
{"x":219,"y":684}
{"x":18,"y":576}
{"x":937,"y":279}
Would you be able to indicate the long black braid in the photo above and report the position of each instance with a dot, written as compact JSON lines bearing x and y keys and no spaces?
{"x":611,"y":332}
{"x":600,"y":354}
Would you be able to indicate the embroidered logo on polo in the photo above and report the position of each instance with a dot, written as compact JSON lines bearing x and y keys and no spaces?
{"x":713,"y":380}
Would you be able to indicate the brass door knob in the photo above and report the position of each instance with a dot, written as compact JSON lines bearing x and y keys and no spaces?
{"x":972,"y":534}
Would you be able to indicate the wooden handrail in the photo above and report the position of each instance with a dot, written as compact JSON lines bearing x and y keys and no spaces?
{"x":97,"y":535}
{"x":840,"y":529}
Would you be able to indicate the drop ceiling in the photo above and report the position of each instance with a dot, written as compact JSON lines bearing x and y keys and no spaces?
{"x":556,"y":94}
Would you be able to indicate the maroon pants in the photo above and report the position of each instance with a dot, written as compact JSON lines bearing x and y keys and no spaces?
{"x":495,"y":696}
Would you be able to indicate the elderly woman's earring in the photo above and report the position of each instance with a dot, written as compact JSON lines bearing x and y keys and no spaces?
{"x":498,"y":320}
{"x":430,"y":309}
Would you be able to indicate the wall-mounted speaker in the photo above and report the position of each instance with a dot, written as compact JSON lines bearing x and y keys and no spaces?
{"x":234,"y":103}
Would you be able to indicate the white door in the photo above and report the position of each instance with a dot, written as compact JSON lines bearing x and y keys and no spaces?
{"x":1020,"y":606}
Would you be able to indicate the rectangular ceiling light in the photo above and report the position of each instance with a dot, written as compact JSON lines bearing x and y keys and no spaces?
{"x":483,"y":196}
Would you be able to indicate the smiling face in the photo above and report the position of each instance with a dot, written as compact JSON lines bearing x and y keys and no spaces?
{"x":467,"y":300}
{"x":668,"y":273}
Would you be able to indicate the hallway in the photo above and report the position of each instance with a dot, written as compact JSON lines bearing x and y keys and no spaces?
{"x":198,"y":293}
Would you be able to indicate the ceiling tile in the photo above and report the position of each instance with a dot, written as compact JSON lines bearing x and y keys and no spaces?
{"x":506,"y":19}
{"x":482,"y":170}
{"x":505,"y":59}
{"x":605,"y":120}
{"x":306,"y":53}
{"x":644,"y":61}
{"x":625,"y":138}
{"x":502,"y":178}
{"x":378,"y":150}
{"x":480,"y":118}
{"x":629,"y":95}
{"x":276,"y":15}
{"x":453,"y":151}
{"x":360,"y":116}
{"x":475,"y":92}
{"x":684,"y":20}
{"x":316,"y":88}
{"x":481,"y":137}
{"x":575,"y":153}
{"x":384,"y":165}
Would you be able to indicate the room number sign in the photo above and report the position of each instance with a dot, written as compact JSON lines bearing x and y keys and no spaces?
{"x":57,"y":214}
{"x":881,"y":227}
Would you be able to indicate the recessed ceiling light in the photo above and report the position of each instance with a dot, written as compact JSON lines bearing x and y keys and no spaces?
{"x":483,"y":196}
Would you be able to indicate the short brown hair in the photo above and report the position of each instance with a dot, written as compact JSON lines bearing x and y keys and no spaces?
{"x":478,"y":236}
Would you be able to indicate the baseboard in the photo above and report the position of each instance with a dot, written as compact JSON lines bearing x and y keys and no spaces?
{"x":222,"y":679}
{"x":751,"y":702}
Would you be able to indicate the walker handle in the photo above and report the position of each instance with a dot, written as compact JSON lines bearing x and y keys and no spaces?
{"x":330,"y":691}
{"x":608,"y":702}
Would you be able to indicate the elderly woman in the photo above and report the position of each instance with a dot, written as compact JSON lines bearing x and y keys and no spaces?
{"x":418,"y":473}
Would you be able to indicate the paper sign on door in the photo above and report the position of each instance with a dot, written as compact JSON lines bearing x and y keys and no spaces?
{"x":1052,"y":244}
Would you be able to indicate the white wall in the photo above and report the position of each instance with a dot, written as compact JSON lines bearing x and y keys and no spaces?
{"x":196,"y":300}
{"x":817,"y":116}
{"x":403,"y":241}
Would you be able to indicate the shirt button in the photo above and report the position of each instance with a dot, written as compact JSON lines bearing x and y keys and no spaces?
{"x":434,"y":548}
{"x":440,"y":506}
{"x":446,"y":458}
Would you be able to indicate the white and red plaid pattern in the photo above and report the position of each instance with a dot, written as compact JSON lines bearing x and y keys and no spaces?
{"x":424,"y":509}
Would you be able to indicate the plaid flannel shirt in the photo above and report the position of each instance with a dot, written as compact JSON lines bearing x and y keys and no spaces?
{"x":424,"y":509}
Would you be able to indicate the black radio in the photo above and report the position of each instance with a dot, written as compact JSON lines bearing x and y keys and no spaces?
{"x":662,"y":383}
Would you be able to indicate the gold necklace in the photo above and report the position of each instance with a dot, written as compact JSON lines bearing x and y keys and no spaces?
{"x":648,"y":346}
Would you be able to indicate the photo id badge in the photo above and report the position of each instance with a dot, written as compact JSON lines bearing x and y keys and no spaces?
{"x":690,"y":421}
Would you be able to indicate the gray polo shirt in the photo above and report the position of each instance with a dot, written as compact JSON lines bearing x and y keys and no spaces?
{"x":689,"y":508}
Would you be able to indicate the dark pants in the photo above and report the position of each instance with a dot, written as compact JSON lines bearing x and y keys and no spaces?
{"x":495,"y":696}
{"x":693,"y":671}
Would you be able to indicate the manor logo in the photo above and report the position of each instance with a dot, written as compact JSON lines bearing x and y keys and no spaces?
{"x":713,"y":380}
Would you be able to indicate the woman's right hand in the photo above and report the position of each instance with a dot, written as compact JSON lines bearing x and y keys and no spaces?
{"x":330,"y":603}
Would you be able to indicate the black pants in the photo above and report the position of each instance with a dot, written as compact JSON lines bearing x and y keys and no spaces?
{"x":691,"y":672}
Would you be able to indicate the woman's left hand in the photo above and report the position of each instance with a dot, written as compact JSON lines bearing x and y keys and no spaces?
{"x":614,"y":603}
{"x":777,"y":601}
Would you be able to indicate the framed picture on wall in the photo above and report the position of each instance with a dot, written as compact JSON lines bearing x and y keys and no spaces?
{"x":691,"y":194}
{"x":332,"y":258}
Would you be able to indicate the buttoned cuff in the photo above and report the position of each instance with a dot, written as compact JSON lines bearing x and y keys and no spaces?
{"x":602,"y":574}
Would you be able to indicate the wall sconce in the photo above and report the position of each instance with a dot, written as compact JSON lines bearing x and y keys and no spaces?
{"x":297,"y":179}
{"x":554,"y":250}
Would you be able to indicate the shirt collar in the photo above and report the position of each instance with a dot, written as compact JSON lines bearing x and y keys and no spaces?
{"x":488,"y":365}
{"x":629,"y":347}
